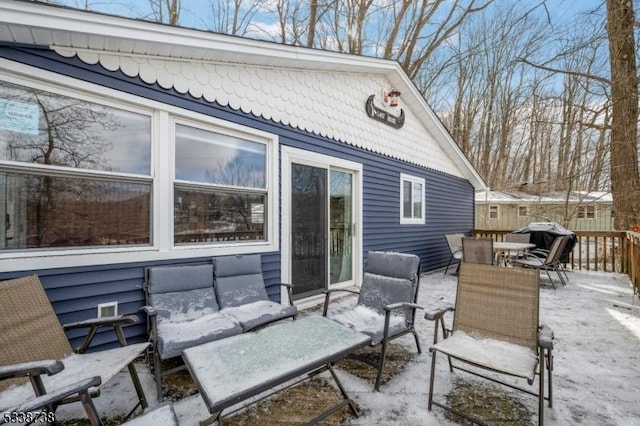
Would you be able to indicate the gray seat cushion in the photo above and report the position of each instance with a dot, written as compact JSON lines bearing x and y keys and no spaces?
{"x":258,"y":313}
{"x":369,"y":322}
{"x":175,"y":336}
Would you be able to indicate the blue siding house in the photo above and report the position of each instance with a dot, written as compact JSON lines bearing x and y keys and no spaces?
{"x":125,"y":144}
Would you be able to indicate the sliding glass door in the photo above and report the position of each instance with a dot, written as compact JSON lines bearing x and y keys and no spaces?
{"x":321,"y":225}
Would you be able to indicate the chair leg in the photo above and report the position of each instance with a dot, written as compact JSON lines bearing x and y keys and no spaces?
{"x":90,"y":409}
{"x":138,"y":386}
{"x":541,"y":390}
{"x":158,"y":375}
{"x":550,"y":374}
{"x":415,"y":336}
{"x":431,"y":380}
{"x":383,"y":356}
{"x":448,"y":263}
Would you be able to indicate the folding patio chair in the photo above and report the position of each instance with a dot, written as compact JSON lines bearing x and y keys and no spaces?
{"x":477,"y":250}
{"x":496,"y":329}
{"x":549,"y":262}
{"x":454,"y":241}
{"x":41,"y":409}
{"x":30,"y":331}
{"x":387,"y":302}
{"x":241,"y":292}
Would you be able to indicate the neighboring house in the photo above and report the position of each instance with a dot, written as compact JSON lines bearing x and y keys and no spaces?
{"x":126,"y":143}
{"x":577,"y":211}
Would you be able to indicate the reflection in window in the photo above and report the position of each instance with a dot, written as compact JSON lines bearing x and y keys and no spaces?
{"x":46,"y":128}
{"x":47,"y":207}
{"x":209,"y":157}
{"x":54,"y":211}
{"x":210,"y":167}
{"x":203,"y":216}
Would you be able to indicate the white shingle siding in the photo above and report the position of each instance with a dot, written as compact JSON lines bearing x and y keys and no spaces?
{"x":329,"y":104}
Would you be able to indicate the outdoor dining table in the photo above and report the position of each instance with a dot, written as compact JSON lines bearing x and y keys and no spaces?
{"x":505,"y":249}
{"x":231,"y":370}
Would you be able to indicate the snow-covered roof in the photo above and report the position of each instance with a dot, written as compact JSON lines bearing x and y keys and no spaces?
{"x":501,"y":197}
{"x":318,"y":91}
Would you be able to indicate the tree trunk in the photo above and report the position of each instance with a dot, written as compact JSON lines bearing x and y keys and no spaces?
{"x":625,"y":181}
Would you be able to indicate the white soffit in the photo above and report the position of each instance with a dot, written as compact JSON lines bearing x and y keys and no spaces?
{"x":316,"y":91}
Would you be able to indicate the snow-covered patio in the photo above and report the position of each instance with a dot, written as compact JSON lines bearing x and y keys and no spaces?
{"x":596,"y":319}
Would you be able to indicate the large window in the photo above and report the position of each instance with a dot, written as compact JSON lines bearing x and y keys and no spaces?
{"x":411,"y":200}
{"x":73,"y":173}
{"x":221,"y":187}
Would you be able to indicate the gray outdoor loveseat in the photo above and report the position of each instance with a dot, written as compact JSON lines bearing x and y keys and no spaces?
{"x":189,"y":305}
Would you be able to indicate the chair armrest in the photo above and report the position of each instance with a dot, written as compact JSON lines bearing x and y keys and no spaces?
{"x":149,"y":310}
{"x":438,"y":313}
{"x":327,"y":297}
{"x":50,"y":399}
{"x":32,"y":368}
{"x":545,"y":337}
{"x":393,"y":306}
{"x":103,"y":322}
{"x":93,"y":324}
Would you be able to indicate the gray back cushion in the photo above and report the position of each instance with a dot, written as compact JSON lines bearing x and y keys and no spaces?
{"x":389,"y":277}
{"x":167,"y":279}
{"x":393,"y":264}
{"x":181,"y":293}
{"x":238,"y":280}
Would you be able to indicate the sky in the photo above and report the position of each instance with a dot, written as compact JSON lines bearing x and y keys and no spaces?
{"x":596,"y":320}
{"x":197,"y":13}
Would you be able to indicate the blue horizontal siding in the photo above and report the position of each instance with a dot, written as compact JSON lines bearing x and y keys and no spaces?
{"x":75,"y":292}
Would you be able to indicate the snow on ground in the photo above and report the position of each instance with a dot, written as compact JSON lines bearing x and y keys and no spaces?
{"x":596,"y":319}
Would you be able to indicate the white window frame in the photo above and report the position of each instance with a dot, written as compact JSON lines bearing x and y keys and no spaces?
{"x":412,"y":220}
{"x":526,"y":210}
{"x":497,"y":210}
{"x":162,"y":159}
{"x":584,"y":209}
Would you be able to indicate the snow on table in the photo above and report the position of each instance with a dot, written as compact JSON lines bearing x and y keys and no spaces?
{"x":230,"y":370}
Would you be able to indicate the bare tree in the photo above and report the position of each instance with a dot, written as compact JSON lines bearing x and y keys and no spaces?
{"x":625,"y":180}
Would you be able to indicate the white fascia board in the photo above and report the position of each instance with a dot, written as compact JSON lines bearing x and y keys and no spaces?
{"x":67,"y":21}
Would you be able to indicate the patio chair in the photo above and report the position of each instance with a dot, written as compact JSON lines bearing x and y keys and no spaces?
{"x":387,"y":302}
{"x":241,"y":292}
{"x":549,"y":262}
{"x":454,"y":241}
{"x":477,"y":250}
{"x":30,"y":333}
{"x":41,"y":409}
{"x":182,"y":312}
{"x":495,"y":329}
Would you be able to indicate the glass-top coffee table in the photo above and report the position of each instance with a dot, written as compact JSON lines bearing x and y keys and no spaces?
{"x":236,"y":368}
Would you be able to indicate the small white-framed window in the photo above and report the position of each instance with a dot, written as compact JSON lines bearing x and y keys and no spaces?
{"x":523,"y":211}
{"x":493,"y":212}
{"x":586,"y":212}
{"x":412,"y":200}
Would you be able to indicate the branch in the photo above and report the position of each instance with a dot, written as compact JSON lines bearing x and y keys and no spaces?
{"x":569,"y":72}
